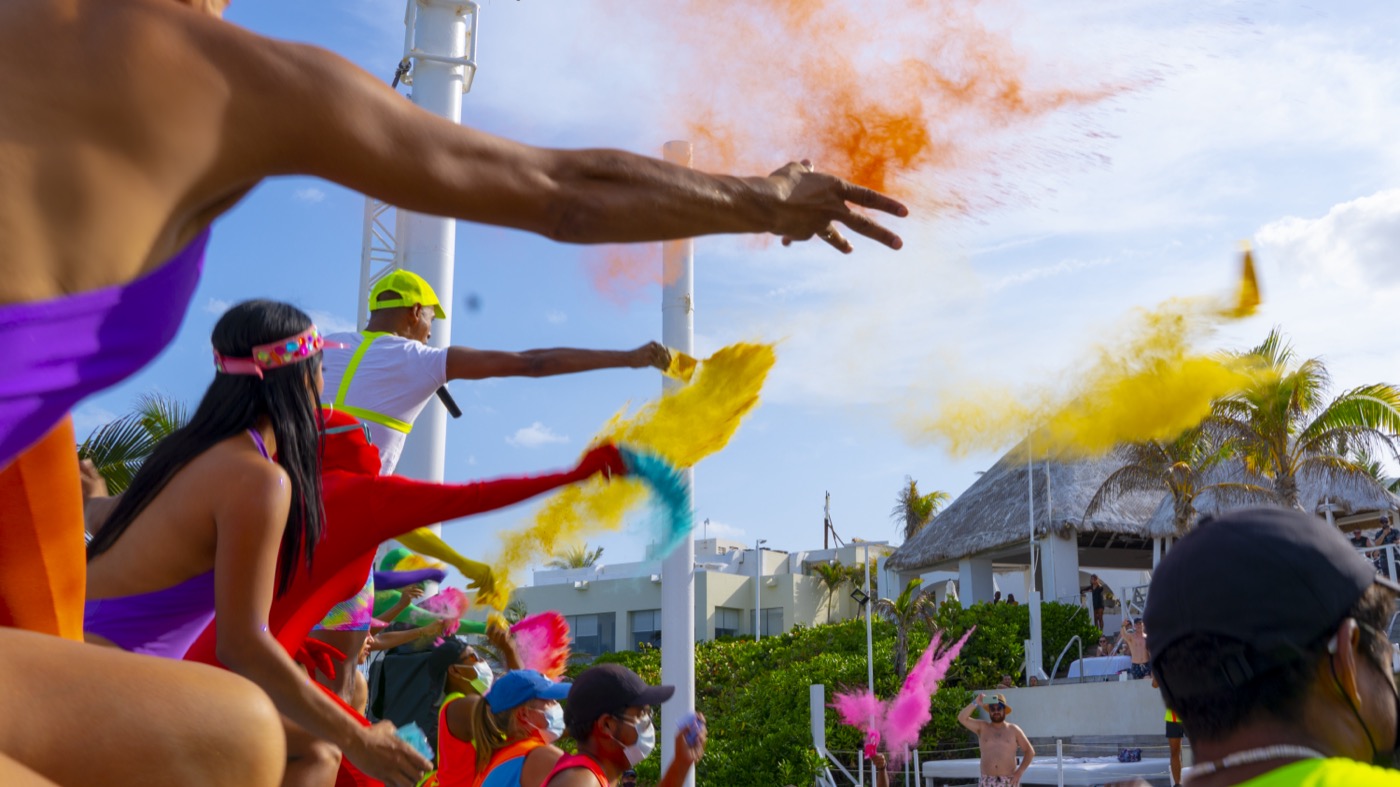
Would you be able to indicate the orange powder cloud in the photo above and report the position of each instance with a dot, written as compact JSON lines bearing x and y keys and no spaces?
{"x":923,"y":99}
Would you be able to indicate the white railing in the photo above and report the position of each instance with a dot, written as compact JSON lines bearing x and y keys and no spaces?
{"x":1385,"y":558}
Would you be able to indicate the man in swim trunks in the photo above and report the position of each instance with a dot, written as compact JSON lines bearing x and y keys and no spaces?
{"x":999,"y":741}
{"x":1135,"y":634}
{"x":1293,"y":686}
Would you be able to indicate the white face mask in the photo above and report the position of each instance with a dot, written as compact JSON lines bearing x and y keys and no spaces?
{"x":645,"y":743}
{"x":553,"y":728}
{"x":484,"y":678}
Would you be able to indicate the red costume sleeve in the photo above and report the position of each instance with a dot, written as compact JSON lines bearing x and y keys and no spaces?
{"x":362,"y":511}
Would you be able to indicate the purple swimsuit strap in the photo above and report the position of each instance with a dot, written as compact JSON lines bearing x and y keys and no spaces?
{"x":258,"y":441}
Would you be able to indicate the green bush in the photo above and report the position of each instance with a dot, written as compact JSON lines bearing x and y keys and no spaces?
{"x":755,"y":694}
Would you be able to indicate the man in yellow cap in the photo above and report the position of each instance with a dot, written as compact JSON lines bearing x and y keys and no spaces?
{"x":385,"y":376}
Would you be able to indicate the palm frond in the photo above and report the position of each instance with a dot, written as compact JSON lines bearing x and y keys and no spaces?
{"x":162,"y":415}
{"x":118,"y":449}
{"x":1126,"y":479}
{"x":1374,"y":407}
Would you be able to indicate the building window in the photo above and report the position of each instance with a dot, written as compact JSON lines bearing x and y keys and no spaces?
{"x":773,"y":621}
{"x":646,"y":628}
{"x":592,"y":634}
{"x":726,"y":622}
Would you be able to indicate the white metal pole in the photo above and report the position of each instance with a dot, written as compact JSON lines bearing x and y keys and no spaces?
{"x":678,"y":569}
{"x":757,"y":580}
{"x":1033,"y":657}
{"x":429,"y":243}
{"x":1060,"y":762}
{"x":869,"y":631}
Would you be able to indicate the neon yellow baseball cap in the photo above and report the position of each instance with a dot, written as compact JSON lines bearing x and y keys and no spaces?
{"x":413,"y":290}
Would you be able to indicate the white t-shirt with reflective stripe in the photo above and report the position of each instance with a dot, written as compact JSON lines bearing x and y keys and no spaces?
{"x":396,"y":377}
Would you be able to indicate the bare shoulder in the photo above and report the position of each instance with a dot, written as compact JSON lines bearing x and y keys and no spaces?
{"x":235,"y":473}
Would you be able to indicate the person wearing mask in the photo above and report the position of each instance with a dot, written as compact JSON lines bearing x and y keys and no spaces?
{"x":516,"y":728}
{"x":609,"y":713}
{"x":463,"y":678}
{"x":1295,"y":687}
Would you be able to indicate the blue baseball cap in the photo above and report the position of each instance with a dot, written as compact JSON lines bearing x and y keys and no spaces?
{"x":520,"y":686}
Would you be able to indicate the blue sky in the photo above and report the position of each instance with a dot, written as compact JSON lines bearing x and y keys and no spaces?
{"x":1259,"y":122}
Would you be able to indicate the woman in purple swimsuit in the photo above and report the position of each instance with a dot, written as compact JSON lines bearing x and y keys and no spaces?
{"x":202,"y":525}
{"x":128,"y":127}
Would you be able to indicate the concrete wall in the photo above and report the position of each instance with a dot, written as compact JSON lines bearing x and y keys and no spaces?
{"x":1115,"y":708}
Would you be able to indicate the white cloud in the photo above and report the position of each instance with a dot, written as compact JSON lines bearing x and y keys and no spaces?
{"x":89,"y":417}
{"x":310,"y":195}
{"x":534,"y":436}
{"x":217,"y":306}
{"x":1330,"y":282}
{"x":1353,"y":246}
{"x":557,"y":317}
{"x":330,"y":323}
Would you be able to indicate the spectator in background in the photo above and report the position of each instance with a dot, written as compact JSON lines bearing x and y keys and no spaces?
{"x":1096,"y":589}
{"x":999,"y":741}
{"x":1011,"y":599}
{"x":629,"y":779}
{"x":1135,"y":634}
{"x":996,"y":597}
{"x":1103,"y":648}
{"x":1006,"y":682}
{"x":1386,"y":536}
{"x":1359,"y":539}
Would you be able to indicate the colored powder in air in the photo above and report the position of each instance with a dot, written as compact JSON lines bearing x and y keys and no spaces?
{"x":683,"y":426}
{"x":932,"y":101}
{"x":1152,"y":385}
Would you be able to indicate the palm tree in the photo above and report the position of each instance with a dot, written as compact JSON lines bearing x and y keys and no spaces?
{"x":832,"y":575}
{"x":515,"y":611}
{"x":914,"y":604}
{"x":579,"y":556}
{"x":1376,"y":469}
{"x":912,"y":511}
{"x":119,"y":448}
{"x":1283,"y":427}
{"x":1183,"y":468}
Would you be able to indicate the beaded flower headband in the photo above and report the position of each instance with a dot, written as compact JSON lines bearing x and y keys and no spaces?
{"x":272,"y":355}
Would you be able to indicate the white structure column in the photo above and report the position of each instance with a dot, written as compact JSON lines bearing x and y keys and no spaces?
{"x":974,"y":580}
{"x":439,"y":37}
{"x":1059,"y":565}
{"x":678,"y":569}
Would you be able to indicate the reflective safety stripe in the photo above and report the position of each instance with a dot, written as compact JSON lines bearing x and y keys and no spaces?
{"x":387,"y":421}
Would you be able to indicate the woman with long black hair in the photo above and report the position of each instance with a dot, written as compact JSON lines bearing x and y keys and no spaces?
{"x":202,"y":525}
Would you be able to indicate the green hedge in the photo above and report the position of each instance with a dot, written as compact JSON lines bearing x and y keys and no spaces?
{"x":755,"y":695}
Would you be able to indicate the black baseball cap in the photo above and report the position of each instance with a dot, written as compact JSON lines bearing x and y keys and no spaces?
{"x":609,"y":689}
{"x":1274,"y":579}
{"x":443,"y":657}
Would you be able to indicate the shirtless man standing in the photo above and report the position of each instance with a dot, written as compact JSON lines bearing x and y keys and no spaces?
{"x":1135,"y":634}
{"x":998,"y":741}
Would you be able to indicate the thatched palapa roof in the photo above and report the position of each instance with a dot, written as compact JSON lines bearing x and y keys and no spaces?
{"x":1349,"y":493}
{"x":994,"y":512}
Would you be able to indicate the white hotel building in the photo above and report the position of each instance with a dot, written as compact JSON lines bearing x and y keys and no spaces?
{"x":618,"y":607}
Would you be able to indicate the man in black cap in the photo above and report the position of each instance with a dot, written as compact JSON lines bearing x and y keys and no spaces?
{"x":609,"y":713}
{"x":1292,"y":682}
